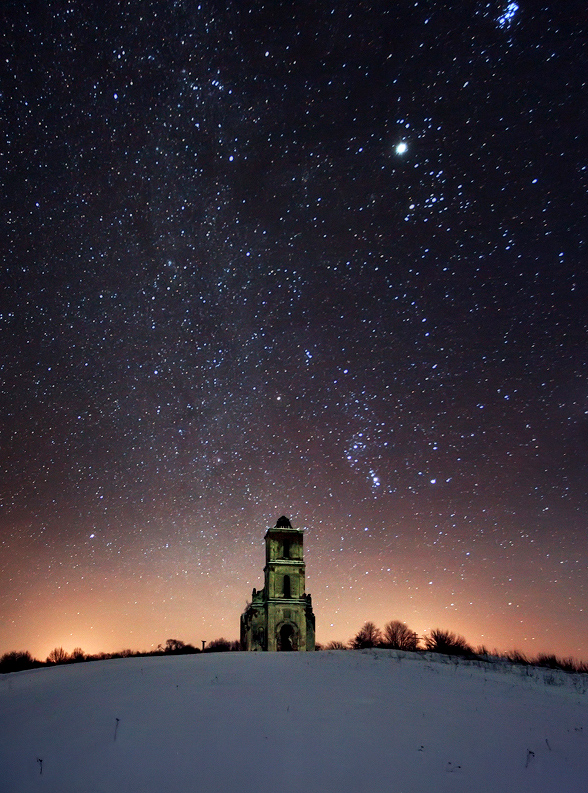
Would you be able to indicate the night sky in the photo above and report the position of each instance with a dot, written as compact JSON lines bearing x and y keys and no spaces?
{"x":326,"y":260}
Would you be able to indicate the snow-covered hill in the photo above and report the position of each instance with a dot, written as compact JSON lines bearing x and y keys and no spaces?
{"x":319,"y":722}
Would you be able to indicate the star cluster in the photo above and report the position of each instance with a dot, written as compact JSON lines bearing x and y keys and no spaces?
{"x":317,"y":259}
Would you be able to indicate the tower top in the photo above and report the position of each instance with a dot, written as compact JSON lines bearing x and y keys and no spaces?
{"x":283,"y":523}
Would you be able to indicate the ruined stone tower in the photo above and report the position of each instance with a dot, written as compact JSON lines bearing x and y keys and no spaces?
{"x":280,"y":615}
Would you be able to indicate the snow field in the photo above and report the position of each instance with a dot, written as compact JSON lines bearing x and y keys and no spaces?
{"x":325,"y":722}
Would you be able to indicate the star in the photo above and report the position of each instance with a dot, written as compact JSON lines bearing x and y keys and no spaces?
{"x":339,"y":279}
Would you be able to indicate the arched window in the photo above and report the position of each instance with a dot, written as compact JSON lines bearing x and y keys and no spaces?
{"x":287,"y":590}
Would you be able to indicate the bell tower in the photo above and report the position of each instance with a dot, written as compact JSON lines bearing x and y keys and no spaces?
{"x":280,"y":616}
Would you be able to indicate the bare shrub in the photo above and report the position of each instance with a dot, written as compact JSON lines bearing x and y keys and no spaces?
{"x":551,"y":661}
{"x":569,"y":665}
{"x":548,"y":661}
{"x":336,"y":645}
{"x":57,"y":656}
{"x":219,"y":646}
{"x":398,"y":636}
{"x":126,"y":653}
{"x":77,"y":654}
{"x":447,"y":642}
{"x":367,"y":636}
{"x":517,"y":657}
{"x":175,"y":647}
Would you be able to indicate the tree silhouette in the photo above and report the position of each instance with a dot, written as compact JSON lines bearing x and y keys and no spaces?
{"x":16,"y":661}
{"x":57,"y":656}
{"x":440,"y":641}
{"x":174,"y":646}
{"x":398,"y":636}
{"x":220,"y":646}
{"x":367,"y":636}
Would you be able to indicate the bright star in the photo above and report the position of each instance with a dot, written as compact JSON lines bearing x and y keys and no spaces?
{"x":506,"y":18}
{"x":401,"y":148}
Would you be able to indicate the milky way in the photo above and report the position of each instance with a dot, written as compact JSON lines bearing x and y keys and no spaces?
{"x":321,"y":260}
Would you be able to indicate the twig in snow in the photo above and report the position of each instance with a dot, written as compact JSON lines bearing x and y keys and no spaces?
{"x":116,"y":728}
{"x":40,"y":761}
{"x":548,"y":746}
{"x":530,"y":756}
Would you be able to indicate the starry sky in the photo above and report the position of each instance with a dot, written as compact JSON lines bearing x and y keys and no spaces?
{"x":325,"y":260}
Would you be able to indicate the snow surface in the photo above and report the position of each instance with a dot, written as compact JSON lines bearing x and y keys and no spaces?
{"x":327,"y":721}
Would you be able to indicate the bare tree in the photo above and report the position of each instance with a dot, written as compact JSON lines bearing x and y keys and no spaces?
{"x":398,"y":636}
{"x":367,"y":636}
{"x":440,"y":641}
{"x":57,"y":656}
